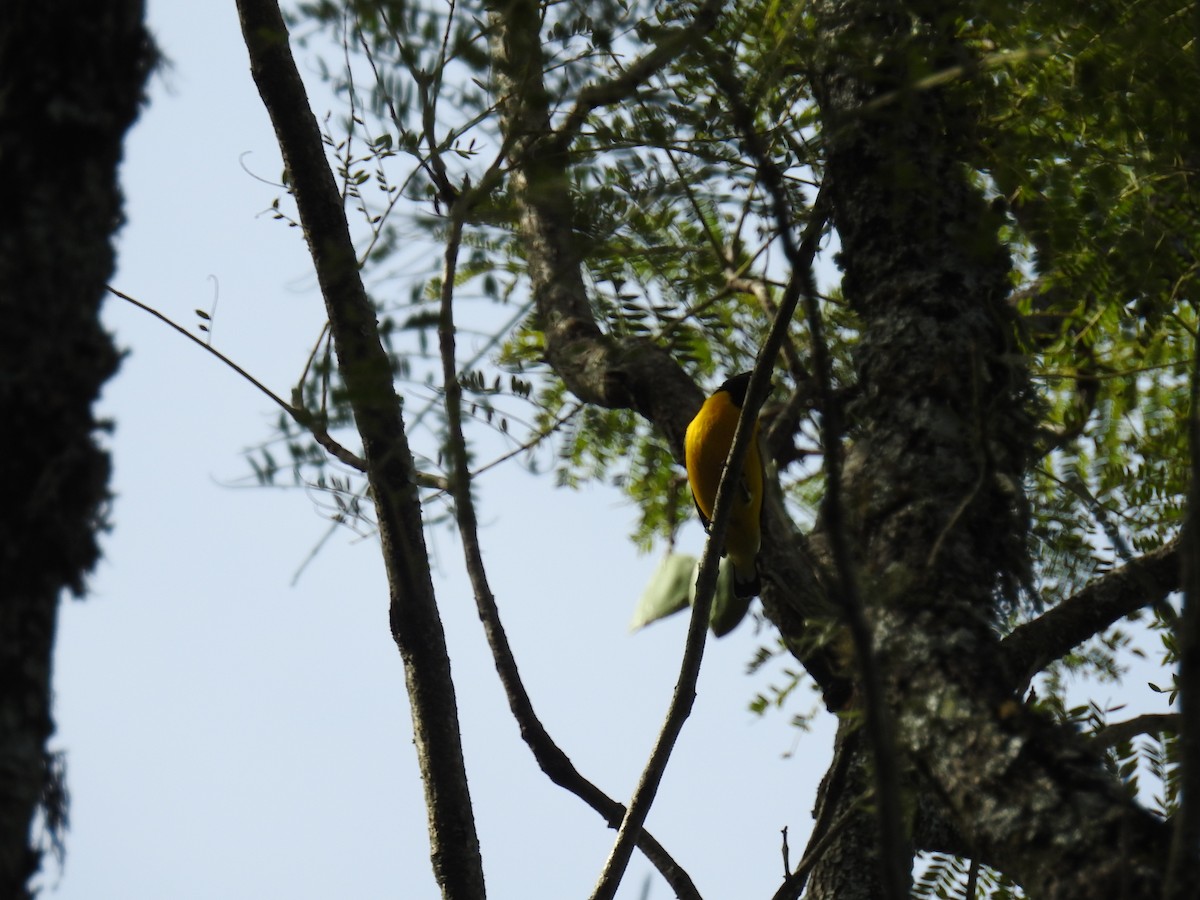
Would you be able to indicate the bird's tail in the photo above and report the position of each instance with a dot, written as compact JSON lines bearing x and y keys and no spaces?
{"x":746,"y":581}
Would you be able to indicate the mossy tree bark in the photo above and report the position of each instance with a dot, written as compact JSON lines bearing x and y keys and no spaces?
{"x":71,"y":80}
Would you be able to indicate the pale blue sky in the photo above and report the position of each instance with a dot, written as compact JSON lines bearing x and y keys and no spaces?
{"x":231,"y":736}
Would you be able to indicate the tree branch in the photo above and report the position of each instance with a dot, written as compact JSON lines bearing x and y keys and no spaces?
{"x":671,"y":45}
{"x":550,"y":757}
{"x":366,"y":371}
{"x":598,"y":368}
{"x":1151,"y":723}
{"x":896,"y":859}
{"x":1137,"y":584}
{"x":302,"y":417}
{"x":706,"y":583}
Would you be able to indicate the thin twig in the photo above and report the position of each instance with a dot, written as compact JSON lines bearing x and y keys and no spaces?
{"x":211,"y":319}
{"x":550,"y":757}
{"x":298,"y":389}
{"x":672,"y":44}
{"x":896,"y":861}
{"x":793,"y":885}
{"x":532,"y":442}
{"x":300,"y":416}
{"x":352,"y":95}
{"x":706,"y":583}
{"x":736,"y":274}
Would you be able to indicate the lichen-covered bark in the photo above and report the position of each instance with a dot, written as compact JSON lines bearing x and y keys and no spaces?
{"x":940,"y":443}
{"x":941,"y":434}
{"x":850,"y":868}
{"x":71,"y":79}
{"x":597,"y":368}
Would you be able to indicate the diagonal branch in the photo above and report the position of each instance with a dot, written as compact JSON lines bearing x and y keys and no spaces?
{"x":598,"y":368}
{"x":706,"y":584}
{"x":896,"y":859}
{"x":550,"y":757}
{"x":671,"y":45}
{"x":1150,"y":723}
{"x":366,"y":371}
{"x":1139,"y":583}
{"x":302,"y":417}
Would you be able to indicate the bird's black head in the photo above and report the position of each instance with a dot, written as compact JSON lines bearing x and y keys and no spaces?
{"x":736,"y":386}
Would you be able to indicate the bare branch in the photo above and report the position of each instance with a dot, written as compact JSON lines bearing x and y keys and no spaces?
{"x":299,"y":415}
{"x":366,"y":371}
{"x":1137,"y":584}
{"x":533,"y":441}
{"x":896,"y":858}
{"x":706,"y":584}
{"x":552,"y":760}
{"x":1151,"y":723}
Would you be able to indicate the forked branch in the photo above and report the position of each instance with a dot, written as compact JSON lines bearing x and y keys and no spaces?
{"x":302,"y":417}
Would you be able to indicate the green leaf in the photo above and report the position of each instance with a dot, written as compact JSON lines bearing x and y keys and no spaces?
{"x":667,"y":592}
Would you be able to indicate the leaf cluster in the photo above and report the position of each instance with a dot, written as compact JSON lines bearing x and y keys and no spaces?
{"x":1086,"y":139}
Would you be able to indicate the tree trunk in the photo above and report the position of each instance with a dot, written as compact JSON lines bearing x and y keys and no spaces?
{"x":71,"y":79}
{"x":941,"y":438}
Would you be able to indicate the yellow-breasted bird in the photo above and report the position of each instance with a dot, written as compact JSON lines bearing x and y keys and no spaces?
{"x":706,"y":448}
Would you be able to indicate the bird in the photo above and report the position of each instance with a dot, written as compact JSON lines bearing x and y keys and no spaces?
{"x":706,"y":447}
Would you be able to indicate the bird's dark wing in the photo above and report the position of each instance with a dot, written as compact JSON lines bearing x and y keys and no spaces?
{"x":703,"y":518}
